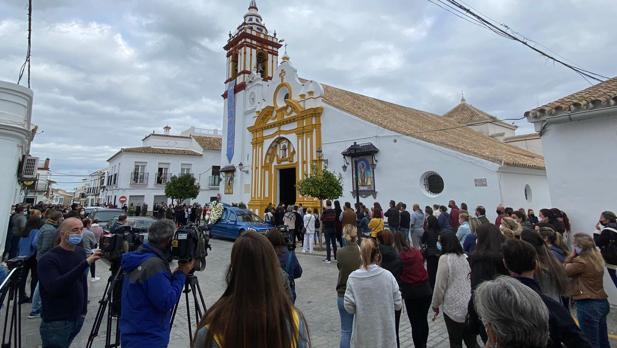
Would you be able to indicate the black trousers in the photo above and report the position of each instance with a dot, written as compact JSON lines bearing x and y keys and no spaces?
{"x":417,"y":311}
{"x":431,"y":267}
{"x":29,"y":266}
{"x":457,"y":334}
{"x":397,"y":322}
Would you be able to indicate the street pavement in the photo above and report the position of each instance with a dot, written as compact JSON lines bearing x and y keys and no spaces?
{"x":316,"y":299}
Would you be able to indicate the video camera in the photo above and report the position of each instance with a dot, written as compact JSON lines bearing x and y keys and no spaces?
{"x":289,"y":238}
{"x":121,"y":240}
{"x":191,"y":242}
{"x":16,"y":262}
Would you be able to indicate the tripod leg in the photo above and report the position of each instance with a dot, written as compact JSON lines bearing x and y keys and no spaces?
{"x":98,"y":319}
{"x":201,"y":297}
{"x":188,"y":311}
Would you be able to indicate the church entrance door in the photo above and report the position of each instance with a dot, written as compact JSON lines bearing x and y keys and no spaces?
{"x":287,"y":186}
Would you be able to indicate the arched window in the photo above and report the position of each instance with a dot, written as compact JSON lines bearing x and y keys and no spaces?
{"x":262,"y":64}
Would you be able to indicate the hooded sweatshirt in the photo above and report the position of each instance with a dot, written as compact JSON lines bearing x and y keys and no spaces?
{"x":149,"y":294}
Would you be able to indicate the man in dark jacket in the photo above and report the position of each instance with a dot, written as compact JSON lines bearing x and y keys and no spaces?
{"x":150,"y":290}
{"x":64,"y":286}
{"x":520,"y":259}
{"x":394,"y":217}
{"x":481,"y":215}
{"x":454,"y":211}
{"x":328,"y":218}
{"x":405,"y":222}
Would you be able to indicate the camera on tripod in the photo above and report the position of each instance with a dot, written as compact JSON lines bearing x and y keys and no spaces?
{"x":122,"y":240}
{"x":289,"y":238}
{"x":191,"y":242}
{"x":16,"y":262}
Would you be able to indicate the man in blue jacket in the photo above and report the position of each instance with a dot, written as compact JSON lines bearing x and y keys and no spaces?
{"x":150,"y":290}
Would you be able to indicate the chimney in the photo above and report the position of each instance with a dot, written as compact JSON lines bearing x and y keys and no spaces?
{"x":166,"y":130}
{"x":46,"y":165}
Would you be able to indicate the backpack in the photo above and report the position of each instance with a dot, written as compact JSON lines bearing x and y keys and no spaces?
{"x":609,"y":250}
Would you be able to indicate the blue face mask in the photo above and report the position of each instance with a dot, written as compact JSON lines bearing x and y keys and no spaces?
{"x":578,"y":250}
{"x":439,"y":246}
{"x":75,"y":239}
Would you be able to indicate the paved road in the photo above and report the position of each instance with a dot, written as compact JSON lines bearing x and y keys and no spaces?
{"x":316,"y":299}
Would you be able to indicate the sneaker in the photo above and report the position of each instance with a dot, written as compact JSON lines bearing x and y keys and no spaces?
{"x":327,"y":261}
{"x":95,"y":279}
{"x":34,"y":315}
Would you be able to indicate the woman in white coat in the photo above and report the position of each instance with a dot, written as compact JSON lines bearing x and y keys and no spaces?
{"x":309,"y":233}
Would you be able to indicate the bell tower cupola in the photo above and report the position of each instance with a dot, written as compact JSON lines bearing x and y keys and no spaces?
{"x":251,"y":49}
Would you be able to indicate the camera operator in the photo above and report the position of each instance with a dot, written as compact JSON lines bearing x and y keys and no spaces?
{"x":150,"y":290}
{"x":63,"y":286}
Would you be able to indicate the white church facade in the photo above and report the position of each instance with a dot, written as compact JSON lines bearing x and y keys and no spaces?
{"x":278,"y":126}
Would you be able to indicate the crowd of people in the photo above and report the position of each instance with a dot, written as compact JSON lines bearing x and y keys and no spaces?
{"x":458,"y":263}
{"x":507,"y":283}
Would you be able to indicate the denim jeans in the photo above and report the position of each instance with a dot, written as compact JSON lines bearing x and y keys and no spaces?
{"x":591,"y":315}
{"x":36,"y":300}
{"x":330,"y":240}
{"x":60,"y":334}
{"x":346,"y":323}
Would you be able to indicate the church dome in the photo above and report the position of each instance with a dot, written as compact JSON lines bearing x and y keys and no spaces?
{"x":253,"y":20}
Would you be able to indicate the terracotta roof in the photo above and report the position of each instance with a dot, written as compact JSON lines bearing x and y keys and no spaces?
{"x":156,"y":150}
{"x":468,"y":114}
{"x":604,"y":94}
{"x":430,"y":128}
{"x":208,"y":142}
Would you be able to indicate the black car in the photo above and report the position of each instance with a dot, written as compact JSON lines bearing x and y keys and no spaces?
{"x":141,"y":224}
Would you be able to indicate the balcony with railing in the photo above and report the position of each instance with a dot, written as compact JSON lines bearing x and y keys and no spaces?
{"x":214,"y":181}
{"x":139,"y":178}
{"x":162,"y":179}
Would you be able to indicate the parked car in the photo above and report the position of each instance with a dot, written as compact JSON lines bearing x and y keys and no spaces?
{"x":141,"y":224}
{"x":235,"y":221}
{"x":106,"y":216}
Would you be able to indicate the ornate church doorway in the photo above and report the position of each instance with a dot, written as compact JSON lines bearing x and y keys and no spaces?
{"x":287,"y":186}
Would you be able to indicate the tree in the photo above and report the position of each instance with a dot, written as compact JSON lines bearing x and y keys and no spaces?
{"x":321,"y":184}
{"x":182,"y":187}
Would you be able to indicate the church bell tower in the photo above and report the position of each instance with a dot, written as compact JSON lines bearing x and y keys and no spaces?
{"x":250,"y":49}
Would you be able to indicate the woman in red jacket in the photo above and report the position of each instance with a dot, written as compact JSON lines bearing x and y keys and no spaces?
{"x":415,"y":288}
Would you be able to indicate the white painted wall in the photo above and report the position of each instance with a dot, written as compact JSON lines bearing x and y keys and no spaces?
{"x":581,"y":164}
{"x":15,"y":125}
{"x":533,"y":145}
{"x":403,"y":160}
{"x":513,"y":182}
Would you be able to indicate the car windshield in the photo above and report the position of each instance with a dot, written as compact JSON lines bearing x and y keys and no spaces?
{"x":248,"y":217}
{"x":107,"y":215}
{"x":142,"y":223}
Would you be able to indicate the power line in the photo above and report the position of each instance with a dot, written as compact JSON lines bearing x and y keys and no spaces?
{"x":509,"y":33}
{"x":27,"y":62}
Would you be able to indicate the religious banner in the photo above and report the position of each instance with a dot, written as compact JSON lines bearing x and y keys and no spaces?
{"x":365,"y":175}
{"x":231,"y":120}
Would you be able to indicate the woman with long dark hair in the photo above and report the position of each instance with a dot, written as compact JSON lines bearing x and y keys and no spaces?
{"x":486,"y":263}
{"x":287,"y":259}
{"x":339,"y":224}
{"x":254,"y":311}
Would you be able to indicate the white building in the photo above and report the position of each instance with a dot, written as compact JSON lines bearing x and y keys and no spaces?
{"x":277,"y":126}
{"x":62,"y":197}
{"x":487,"y":124}
{"x":89,"y":192}
{"x":16,"y":133}
{"x":139,"y":174}
{"x":41,"y":190}
{"x":579,"y":136}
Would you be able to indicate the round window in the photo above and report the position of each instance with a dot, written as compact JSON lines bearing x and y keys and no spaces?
{"x":432,"y":183}
{"x":528,"y":193}
{"x":282,"y":95}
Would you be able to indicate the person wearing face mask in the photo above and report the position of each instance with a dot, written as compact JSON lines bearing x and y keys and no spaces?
{"x":150,"y":290}
{"x":63,"y":286}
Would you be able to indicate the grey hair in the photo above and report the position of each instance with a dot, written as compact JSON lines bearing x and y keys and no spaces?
{"x":515,"y":312}
{"x":160,"y":231}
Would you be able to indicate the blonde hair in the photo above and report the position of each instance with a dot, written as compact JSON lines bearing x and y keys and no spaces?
{"x":464,"y":216}
{"x":350,"y":233}
{"x":589,"y":251}
{"x":369,"y":252}
{"x":474,"y":223}
{"x":309,"y":210}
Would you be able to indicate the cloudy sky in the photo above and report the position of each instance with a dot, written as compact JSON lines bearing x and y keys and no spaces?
{"x":105,"y":73}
